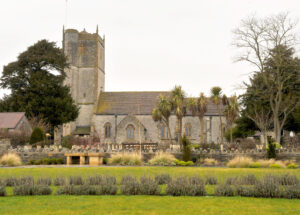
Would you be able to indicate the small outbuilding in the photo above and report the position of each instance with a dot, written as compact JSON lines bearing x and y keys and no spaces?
{"x":15,"y":122}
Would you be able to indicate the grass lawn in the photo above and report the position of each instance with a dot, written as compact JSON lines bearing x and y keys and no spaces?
{"x":73,"y":205}
{"x":219,"y":173}
{"x":120,"y":204}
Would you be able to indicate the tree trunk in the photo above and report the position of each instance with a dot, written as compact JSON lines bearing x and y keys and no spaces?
{"x":170,"y":135}
{"x":180,"y":131}
{"x":202,"y":130}
{"x":230,"y":134}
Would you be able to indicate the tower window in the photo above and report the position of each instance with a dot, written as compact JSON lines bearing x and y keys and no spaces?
{"x":130,"y":132}
{"x":188,"y":129}
{"x":107,"y":130}
{"x":163,"y":132}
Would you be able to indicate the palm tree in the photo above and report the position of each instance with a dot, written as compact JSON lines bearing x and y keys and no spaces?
{"x":216,"y":94}
{"x":179,"y":108}
{"x":162,"y":113}
{"x":198,"y":108}
{"x":231,"y":112}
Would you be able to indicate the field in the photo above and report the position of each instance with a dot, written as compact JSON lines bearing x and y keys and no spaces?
{"x":120,"y":204}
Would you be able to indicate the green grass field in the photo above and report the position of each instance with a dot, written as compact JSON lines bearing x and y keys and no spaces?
{"x":120,"y":204}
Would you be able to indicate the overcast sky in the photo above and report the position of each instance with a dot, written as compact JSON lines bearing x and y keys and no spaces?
{"x":151,"y":45}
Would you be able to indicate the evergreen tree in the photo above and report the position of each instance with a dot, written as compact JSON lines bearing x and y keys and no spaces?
{"x":36,"y":84}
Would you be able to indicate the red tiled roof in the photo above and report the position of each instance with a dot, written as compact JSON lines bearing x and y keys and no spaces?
{"x":10,"y":119}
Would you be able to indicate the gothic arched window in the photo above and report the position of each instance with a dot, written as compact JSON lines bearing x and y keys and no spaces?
{"x":130,"y":132}
{"x":107,"y":128}
{"x":188,"y":129}
{"x":163,"y":132}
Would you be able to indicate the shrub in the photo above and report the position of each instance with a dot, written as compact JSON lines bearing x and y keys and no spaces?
{"x":2,"y":191}
{"x":46,"y":161}
{"x":224,"y":190}
{"x":52,"y":161}
{"x":77,"y":190}
{"x":240,"y":162}
{"x":288,"y":179}
{"x":59,"y":181}
{"x":266,"y":163}
{"x":93,"y":180}
{"x":38,"y":162}
{"x":25,"y":190}
{"x":163,"y":159}
{"x":255,"y":165}
{"x":148,"y":186}
{"x":244,"y":191}
{"x":292,"y":166}
{"x":271,"y":150}
{"x":184,"y":163}
{"x":248,"y":179}
{"x":163,"y":179}
{"x":26,"y":180}
{"x":231,"y":181}
{"x":75,"y":180}
{"x":10,"y":159}
{"x":38,"y":135}
{"x":108,"y":185}
{"x":186,"y":149}
{"x":267,"y":188}
{"x":210,"y":162}
{"x":196,"y":180}
{"x":275,"y":166}
{"x":292,"y":192}
{"x":11,"y":182}
{"x":182,"y":187}
{"x":210,"y":180}
{"x":127,"y":178}
{"x":44,"y":181}
{"x":59,"y":161}
{"x":130,"y":186}
{"x":126,"y":159}
{"x":31,"y":162}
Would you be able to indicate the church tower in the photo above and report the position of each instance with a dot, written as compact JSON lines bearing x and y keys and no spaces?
{"x":85,"y":76}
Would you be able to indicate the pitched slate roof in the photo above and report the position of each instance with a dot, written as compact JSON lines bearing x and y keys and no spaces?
{"x":124,"y":103}
{"x":10,"y":119}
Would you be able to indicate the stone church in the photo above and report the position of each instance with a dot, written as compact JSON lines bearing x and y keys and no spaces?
{"x":119,"y":117}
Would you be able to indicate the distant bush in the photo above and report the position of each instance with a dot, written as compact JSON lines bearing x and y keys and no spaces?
{"x":38,"y":135}
{"x":183,"y":187}
{"x":148,"y":186}
{"x":59,"y":181}
{"x":210,"y":180}
{"x":130,"y":186}
{"x":240,"y":162}
{"x":93,"y":180}
{"x":2,"y":191}
{"x":292,"y":166}
{"x":163,"y":159}
{"x":11,"y":182}
{"x":248,"y":179}
{"x":108,"y":185}
{"x":185,"y":163}
{"x":271,"y":150}
{"x":255,"y":165}
{"x":210,"y":162}
{"x":29,"y":190}
{"x":46,"y":181}
{"x":275,"y":166}
{"x":76,"y":180}
{"x":224,"y":190}
{"x":130,"y":159}
{"x":163,"y":179}
{"x":10,"y":159}
{"x":47,"y":161}
{"x":265,"y":163}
